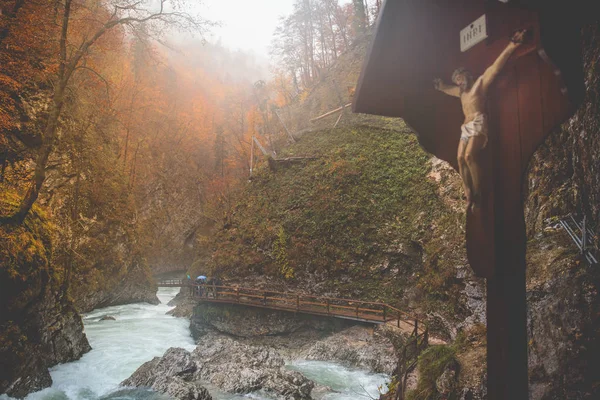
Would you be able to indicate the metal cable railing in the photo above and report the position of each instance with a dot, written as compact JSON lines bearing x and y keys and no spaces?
{"x":582,"y":236}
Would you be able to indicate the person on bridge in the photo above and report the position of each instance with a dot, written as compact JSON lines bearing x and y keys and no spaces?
{"x":473,"y":96}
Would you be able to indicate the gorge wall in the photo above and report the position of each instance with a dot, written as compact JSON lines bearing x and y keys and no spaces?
{"x":39,"y":324}
{"x":563,"y":317}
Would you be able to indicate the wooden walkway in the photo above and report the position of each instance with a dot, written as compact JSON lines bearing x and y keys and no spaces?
{"x":357,"y":310}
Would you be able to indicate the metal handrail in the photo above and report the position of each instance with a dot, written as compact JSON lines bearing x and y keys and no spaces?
{"x":582,"y":238}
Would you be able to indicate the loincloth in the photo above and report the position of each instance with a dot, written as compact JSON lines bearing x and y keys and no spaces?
{"x":478,"y":126}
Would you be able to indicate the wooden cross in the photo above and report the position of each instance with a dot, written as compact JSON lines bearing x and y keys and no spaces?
{"x":418,"y":40}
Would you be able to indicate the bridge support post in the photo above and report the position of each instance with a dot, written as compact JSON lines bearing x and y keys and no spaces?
{"x":298,"y":302}
{"x":327,"y":306}
{"x":237,"y":295}
{"x":384,"y":314}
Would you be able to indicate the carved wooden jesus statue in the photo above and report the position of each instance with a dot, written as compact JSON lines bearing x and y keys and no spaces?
{"x":474,"y":132}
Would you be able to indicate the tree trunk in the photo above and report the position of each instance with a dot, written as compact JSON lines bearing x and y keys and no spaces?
{"x":58,"y":100}
{"x":333,"y":37}
{"x":74,"y":226}
{"x":360,"y":17}
{"x":42,"y":159}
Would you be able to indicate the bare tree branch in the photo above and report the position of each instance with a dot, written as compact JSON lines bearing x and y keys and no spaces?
{"x":106,"y":84}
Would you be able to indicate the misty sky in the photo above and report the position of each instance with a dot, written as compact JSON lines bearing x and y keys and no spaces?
{"x":247,"y":24}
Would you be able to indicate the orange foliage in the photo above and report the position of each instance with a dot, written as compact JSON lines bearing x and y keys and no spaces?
{"x":179,"y":120}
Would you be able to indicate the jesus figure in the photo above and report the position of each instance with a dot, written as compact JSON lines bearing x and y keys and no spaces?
{"x":474,"y":131}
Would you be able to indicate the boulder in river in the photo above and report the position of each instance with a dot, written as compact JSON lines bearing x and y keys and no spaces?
{"x":357,"y":346}
{"x":172,"y":374}
{"x":107,"y":318}
{"x":229,"y":365}
{"x":240,"y":368}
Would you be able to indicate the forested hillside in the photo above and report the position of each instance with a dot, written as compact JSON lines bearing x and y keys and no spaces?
{"x":119,"y":147}
{"x":129,"y":146}
{"x":363,"y":219}
{"x":123,"y":137}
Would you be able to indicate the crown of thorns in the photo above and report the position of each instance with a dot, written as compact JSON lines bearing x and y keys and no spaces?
{"x":459,"y":71}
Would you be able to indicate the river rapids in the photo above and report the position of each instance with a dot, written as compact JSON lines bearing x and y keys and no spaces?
{"x":142,"y":331}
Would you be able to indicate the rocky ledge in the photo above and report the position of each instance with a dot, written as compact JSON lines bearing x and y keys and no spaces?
{"x":298,"y":336}
{"x":134,"y":287}
{"x":357,"y":346}
{"x":229,"y":365}
{"x":50,"y":332}
{"x":172,"y":374}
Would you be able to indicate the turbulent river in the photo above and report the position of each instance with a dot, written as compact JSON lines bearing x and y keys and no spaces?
{"x":142,"y":331}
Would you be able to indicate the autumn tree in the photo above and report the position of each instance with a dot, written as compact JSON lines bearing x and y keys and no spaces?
{"x":359,"y":23}
{"x":73,"y":50}
{"x":312,"y":37}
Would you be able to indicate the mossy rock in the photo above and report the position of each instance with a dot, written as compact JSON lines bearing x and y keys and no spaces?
{"x":25,"y":253}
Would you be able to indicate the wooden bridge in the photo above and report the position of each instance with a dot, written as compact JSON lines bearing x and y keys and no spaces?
{"x":357,"y":310}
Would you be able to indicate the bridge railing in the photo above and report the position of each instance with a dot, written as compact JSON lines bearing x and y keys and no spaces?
{"x":312,"y":304}
{"x":175,"y":282}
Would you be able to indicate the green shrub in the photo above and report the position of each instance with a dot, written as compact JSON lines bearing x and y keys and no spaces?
{"x":431,"y":364}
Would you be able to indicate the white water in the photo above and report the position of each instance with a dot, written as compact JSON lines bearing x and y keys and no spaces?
{"x":142,"y":331}
{"x":348,"y":384}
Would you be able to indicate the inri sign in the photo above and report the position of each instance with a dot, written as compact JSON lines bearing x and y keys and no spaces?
{"x":473,"y":34}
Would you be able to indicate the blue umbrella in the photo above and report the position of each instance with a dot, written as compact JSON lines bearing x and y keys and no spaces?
{"x":201,"y":277}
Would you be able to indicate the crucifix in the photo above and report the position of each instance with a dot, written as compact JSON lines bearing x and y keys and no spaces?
{"x":539,"y":87}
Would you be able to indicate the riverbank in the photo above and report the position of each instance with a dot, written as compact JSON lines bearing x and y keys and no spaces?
{"x":142,"y":331}
{"x":265,"y":353}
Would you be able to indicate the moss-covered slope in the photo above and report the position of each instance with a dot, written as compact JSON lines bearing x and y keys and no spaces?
{"x":364,"y":219}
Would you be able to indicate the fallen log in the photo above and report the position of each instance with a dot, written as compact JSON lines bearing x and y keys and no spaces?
{"x":330,"y":112}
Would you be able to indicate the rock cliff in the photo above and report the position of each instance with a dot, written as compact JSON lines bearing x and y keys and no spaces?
{"x":39,"y":326}
{"x":135,"y":285}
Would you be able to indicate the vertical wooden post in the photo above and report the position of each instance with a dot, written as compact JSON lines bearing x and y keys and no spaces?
{"x":237,"y":294}
{"x":398,"y":319}
{"x":297,"y":302}
{"x":507,"y":311}
{"x":358,"y":305}
{"x":384,"y":314}
{"x":327,"y":306}
{"x":416,"y":327}
{"x":264,"y":298}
